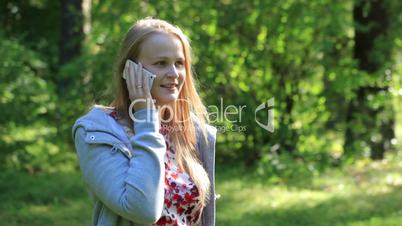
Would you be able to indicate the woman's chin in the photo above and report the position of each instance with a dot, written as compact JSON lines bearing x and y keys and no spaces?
{"x":166,"y":99}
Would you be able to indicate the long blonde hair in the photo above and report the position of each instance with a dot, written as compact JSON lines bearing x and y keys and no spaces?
{"x":185,"y":139}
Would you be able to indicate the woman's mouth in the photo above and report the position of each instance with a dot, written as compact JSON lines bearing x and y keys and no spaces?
{"x":170,"y":86}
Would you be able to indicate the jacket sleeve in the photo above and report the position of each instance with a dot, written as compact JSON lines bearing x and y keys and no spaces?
{"x":208,"y":156}
{"x":132,"y":188}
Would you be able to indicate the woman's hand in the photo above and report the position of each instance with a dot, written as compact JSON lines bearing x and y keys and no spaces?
{"x":138,"y":87}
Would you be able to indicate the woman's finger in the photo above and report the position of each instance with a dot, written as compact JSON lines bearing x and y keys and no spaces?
{"x":140,"y":79}
{"x":130,"y":87}
{"x":134,"y":79}
{"x":146,"y":85}
{"x":144,"y":82}
{"x":125,"y":70}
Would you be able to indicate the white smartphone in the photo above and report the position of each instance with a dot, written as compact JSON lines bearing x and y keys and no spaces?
{"x":149,"y":75}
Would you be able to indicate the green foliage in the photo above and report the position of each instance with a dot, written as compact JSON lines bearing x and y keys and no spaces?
{"x":27,"y":102}
{"x":24,"y":92}
{"x":302,"y":53}
{"x":298,"y":52}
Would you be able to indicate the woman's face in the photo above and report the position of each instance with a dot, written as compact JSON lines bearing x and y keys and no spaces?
{"x":163,"y":55}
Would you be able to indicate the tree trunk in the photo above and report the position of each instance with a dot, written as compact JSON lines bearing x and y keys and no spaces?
{"x":371,"y":24}
{"x":70,"y":42}
{"x":71,"y":32}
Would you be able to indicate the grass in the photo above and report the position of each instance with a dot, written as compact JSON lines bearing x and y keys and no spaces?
{"x":57,"y":199}
{"x":366,"y":194}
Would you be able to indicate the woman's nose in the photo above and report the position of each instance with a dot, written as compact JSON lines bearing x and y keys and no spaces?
{"x":172,"y":72}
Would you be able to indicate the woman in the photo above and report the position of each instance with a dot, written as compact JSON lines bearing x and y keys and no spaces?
{"x":157,"y":166}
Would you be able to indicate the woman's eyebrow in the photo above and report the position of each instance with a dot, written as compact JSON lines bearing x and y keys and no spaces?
{"x":167,"y":58}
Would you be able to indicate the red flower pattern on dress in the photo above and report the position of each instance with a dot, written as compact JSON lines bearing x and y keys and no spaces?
{"x":182,"y":206}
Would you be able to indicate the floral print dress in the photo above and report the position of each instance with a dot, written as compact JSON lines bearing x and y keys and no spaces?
{"x":182,"y":206}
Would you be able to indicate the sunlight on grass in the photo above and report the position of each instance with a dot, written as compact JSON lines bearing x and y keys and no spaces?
{"x":375,"y":221}
{"x":364,"y":194}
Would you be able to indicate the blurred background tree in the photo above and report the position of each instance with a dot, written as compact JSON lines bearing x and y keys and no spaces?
{"x":333,"y":68}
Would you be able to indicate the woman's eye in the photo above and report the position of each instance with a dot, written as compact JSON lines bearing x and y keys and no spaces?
{"x":160,"y":63}
{"x":179,"y":63}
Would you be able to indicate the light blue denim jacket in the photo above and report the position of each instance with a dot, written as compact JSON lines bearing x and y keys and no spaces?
{"x":125,"y":176}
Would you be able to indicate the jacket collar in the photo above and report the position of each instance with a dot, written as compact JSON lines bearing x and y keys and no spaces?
{"x":97,"y":120}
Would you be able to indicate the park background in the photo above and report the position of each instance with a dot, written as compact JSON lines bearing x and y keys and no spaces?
{"x":333,"y":67}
